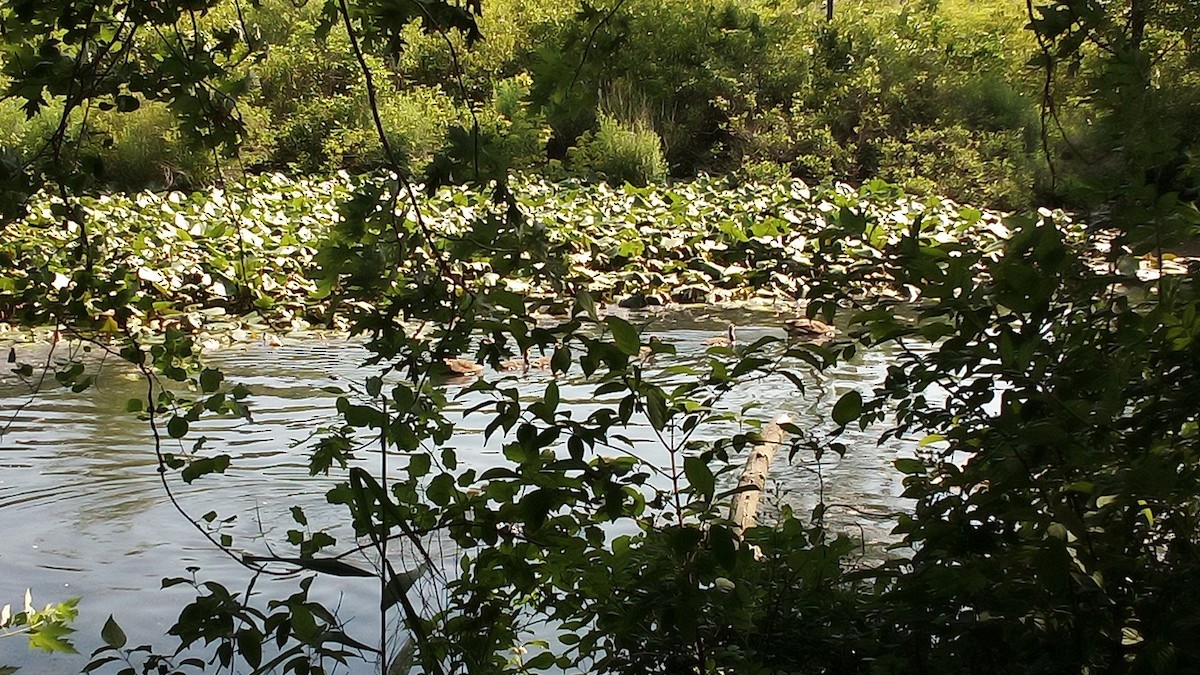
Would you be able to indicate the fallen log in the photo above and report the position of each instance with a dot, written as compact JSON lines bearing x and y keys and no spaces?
{"x":744,"y":508}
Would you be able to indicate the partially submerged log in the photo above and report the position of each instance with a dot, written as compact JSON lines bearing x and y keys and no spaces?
{"x":744,"y":509}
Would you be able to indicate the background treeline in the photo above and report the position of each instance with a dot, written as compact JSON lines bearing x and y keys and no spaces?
{"x":936,"y":96}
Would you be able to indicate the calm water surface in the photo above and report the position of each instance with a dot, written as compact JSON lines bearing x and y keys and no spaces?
{"x":83,"y":512}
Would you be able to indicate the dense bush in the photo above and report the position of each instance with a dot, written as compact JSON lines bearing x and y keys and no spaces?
{"x":869,"y":87}
{"x":720,"y":83}
{"x":620,"y":153}
{"x":937,"y":95}
{"x":980,"y":167}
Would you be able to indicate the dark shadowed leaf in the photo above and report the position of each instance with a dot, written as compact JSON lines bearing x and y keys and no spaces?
{"x":112,"y":634}
{"x":848,"y":408}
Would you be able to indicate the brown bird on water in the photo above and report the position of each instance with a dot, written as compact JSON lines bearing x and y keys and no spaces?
{"x":808,"y":329}
{"x":536,"y":363}
{"x":463,"y":366}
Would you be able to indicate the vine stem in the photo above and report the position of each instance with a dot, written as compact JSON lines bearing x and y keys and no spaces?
{"x":162,"y":475}
{"x":383,"y":531}
{"x":393,"y":162}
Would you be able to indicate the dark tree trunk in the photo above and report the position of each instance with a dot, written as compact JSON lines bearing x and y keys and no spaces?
{"x":1138,"y":9}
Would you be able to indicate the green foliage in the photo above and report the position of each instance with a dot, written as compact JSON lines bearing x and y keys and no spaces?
{"x":882,"y":90}
{"x":620,"y":154}
{"x":144,"y":149}
{"x":866,"y":95}
{"x":1139,"y":81}
{"x":242,"y":258}
{"x":47,"y":629}
{"x":322,"y":118}
{"x":168,"y":260}
{"x":1063,"y":461}
{"x":660,"y":596}
{"x":702,"y":58}
{"x":971,"y":166}
{"x":522,"y":133}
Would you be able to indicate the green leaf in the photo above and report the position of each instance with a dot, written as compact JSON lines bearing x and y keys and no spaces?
{"x":909,"y":465}
{"x":624,"y":335}
{"x":848,"y":408}
{"x":303,"y":623}
{"x":92,"y":665}
{"x":112,"y":634}
{"x":700,"y":476}
{"x":52,"y":637}
{"x":205,"y":466}
{"x":399,"y":584}
{"x":724,"y":546}
{"x":127,"y":103}
{"x":683,"y":539}
{"x":440,"y":489}
{"x":585,"y":303}
{"x":249,"y":644}
{"x":177,"y":427}
{"x":541,"y":661}
{"x":210,"y":380}
{"x":418,"y":465}
{"x":330,"y":566}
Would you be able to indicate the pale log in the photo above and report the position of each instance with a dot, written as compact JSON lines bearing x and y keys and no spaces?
{"x":744,"y":508}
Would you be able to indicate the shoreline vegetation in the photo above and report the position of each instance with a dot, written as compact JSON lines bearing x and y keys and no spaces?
{"x":939,"y":97}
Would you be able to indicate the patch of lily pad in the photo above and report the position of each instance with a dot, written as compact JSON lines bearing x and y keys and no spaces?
{"x":239,"y":261}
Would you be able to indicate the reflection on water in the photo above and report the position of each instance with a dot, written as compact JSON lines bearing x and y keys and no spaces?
{"x":84,"y":513}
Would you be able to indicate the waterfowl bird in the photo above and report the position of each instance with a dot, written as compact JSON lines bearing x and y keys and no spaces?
{"x":727,"y":340}
{"x":536,"y":363}
{"x":809,"y":329}
{"x":463,"y":366}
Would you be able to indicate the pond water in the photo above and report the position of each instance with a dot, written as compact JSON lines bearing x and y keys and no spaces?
{"x":84,"y":514}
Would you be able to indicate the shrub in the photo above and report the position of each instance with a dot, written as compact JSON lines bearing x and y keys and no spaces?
{"x":521,"y":132}
{"x":794,"y":138}
{"x":21,"y":137}
{"x":766,"y":172}
{"x":324,"y":119}
{"x":989,"y":102}
{"x":512,"y":29}
{"x":621,"y":153}
{"x":978,"y":167}
{"x":301,"y":141}
{"x":295,"y":73}
{"x":138,"y":149}
{"x":13,"y":126}
{"x":146,"y":148}
{"x":416,"y":121}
